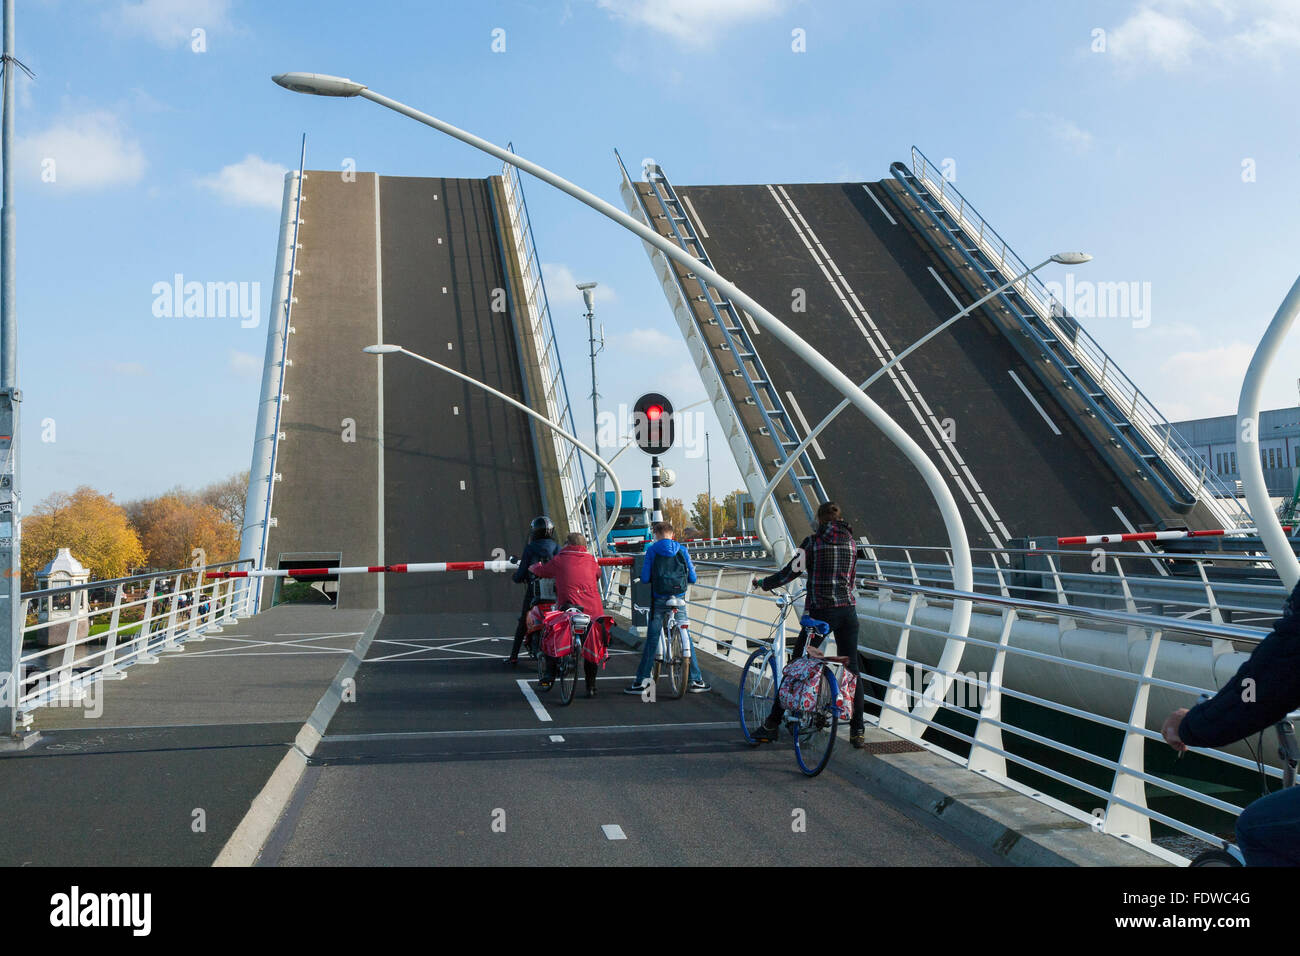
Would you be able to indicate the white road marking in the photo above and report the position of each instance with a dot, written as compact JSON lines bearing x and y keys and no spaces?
{"x":533,"y":702}
{"x":1141,"y":544}
{"x":448,"y":346}
{"x":892,"y":221}
{"x":613,"y":831}
{"x":462,"y":486}
{"x":556,"y":739}
{"x":943,"y":285}
{"x":1033,"y":401}
{"x":902,"y":381}
{"x":816,"y":445}
{"x":704,"y":233}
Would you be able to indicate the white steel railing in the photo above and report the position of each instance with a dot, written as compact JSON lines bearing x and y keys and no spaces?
{"x":1182,"y":459}
{"x":147,"y":615}
{"x":536,"y":313}
{"x":1107,"y":787}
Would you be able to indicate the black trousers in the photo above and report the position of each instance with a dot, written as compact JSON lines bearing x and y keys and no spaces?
{"x":844,"y":625}
{"x":521,"y":629}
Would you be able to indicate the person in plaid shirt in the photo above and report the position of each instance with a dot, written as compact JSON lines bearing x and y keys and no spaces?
{"x":828,"y":556}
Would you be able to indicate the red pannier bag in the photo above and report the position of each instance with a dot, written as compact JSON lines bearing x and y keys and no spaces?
{"x":800,"y":682}
{"x":557,"y":634}
{"x":537,"y":616}
{"x":596,"y":646}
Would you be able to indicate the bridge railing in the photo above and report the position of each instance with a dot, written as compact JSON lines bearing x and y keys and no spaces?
{"x":147,"y":614}
{"x":1179,"y":457}
{"x":1088,"y":764}
{"x":1220,"y":588}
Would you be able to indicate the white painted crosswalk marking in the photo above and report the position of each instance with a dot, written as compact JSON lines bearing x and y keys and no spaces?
{"x":613,"y":831}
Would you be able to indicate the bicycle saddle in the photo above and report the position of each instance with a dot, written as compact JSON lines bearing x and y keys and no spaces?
{"x":821,"y":627}
{"x":675,"y":601}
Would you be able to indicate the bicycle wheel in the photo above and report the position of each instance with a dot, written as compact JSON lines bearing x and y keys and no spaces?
{"x":567,"y":679}
{"x":1215,"y":858}
{"x":757,"y":691}
{"x":678,"y":666}
{"x":816,"y":737}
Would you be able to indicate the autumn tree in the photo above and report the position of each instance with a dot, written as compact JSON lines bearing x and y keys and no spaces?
{"x":227,"y":496}
{"x":675,"y":512}
{"x":172,"y":526}
{"x":92,"y":525}
{"x":700,"y":515}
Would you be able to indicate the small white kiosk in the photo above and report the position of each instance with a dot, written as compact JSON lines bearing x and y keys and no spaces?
{"x":56,"y":611}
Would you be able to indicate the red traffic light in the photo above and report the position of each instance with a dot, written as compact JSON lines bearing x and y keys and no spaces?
{"x":653,"y":412}
{"x":653,"y":419}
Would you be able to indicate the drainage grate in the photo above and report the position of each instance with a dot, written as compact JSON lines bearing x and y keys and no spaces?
{"x":891,"y":747}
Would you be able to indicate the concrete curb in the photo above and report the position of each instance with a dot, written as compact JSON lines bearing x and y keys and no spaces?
{"x":255,"y":829}
{"x":1005,"y":824}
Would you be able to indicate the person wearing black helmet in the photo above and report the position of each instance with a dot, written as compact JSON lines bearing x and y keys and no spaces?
{"x":541,"y":547}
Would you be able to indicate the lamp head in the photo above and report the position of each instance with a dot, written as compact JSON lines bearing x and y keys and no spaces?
{"x":382,"y":349}
{"x":588,"y":297}
{"x":318,"y":84}
{"x":1071,"y":258}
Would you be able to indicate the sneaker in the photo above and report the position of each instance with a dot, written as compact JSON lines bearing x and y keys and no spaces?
{"x":591,"y":690}
{"x":700,"y":687}
{"x":512,"y":662}
{"x":636,"y":688}
{"x":858,"y":739}
{"x":764,"y":733}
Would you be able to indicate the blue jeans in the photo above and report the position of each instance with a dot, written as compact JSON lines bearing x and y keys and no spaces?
{"x":1268,"y":831}
{"x":658,"y":612}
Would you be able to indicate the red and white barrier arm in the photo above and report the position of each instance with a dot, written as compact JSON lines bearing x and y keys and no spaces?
{"x":392,"y":569}
{"x":1152,"y":536}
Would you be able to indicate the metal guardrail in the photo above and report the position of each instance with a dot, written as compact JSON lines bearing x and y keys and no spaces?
{"x":537,"y":312}
{"x":175,"y":607}
{"x":1157,"y":432}
{"x":729,"y":620}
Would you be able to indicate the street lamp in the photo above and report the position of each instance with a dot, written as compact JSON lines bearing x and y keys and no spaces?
{"x":589,"y":300}
{"x":1064,"y":258}
{"x":387,"y":348}
{"x":963,"y":573}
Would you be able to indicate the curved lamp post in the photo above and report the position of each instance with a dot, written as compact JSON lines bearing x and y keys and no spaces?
{"x":1065,"y":258}
{"x":388,"y":349}
{"x":963,"y":576}
{"x":1252,"y":469}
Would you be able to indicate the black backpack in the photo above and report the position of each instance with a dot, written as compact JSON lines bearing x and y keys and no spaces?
{"x":668,"y":574}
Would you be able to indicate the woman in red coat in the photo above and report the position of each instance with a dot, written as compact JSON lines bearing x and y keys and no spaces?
{"x":577,"y":584}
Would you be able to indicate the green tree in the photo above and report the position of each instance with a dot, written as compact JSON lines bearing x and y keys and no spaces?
{"x":700,"y":515}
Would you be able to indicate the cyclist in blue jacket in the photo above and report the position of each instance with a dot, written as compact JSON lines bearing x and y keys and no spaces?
{"x":675,"y":571}
{"x":541,"y":547}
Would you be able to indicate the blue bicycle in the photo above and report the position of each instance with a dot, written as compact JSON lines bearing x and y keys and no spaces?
{"x":813,"y":729}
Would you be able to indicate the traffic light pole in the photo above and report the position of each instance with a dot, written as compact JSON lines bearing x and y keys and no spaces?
{"x":656,"y":508}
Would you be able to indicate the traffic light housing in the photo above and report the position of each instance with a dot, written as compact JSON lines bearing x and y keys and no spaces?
{"x":652,"y":419}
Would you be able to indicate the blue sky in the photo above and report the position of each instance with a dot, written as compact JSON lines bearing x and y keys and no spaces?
{"x":1159,"y":135}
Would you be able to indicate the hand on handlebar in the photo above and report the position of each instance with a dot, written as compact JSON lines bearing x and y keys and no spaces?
{"x":1170,"y":729}
{"x":756,"y":582}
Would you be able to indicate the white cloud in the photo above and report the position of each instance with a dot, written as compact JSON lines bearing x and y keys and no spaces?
{"x":244,"y":365}
{"x":250,"y":182}
{"x":1177,"y":34}
{"x":132,"y":369}
{"x":562,"y":291}
{"x":170,"y":23}
{"x":693,"y":22}
{"x":646,"y":342}
{"x":86,"y":151}
{"x":1204,"y":383}
{"x":1066,"y":132}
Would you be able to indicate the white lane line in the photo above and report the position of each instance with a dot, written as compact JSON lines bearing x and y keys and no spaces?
{"x":907,"y":389}
{"x":944,"y":286}
{"x":704,"y":233}
{"x":613,"y":831}
{"x":816,"y":445}
{"x":533,"y":702}
{"x":556,"y":739}
{"x":892,"y":221}
{"x":1033,"y":401}
{"x":1141,"y":544}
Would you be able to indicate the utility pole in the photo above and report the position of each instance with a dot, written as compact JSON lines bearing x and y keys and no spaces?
{"x":11,"y":643}
{"x":598,"y":513}
{"x":708,"y":478}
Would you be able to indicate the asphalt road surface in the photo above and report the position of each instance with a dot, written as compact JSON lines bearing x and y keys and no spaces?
{"x":448,"y":758}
